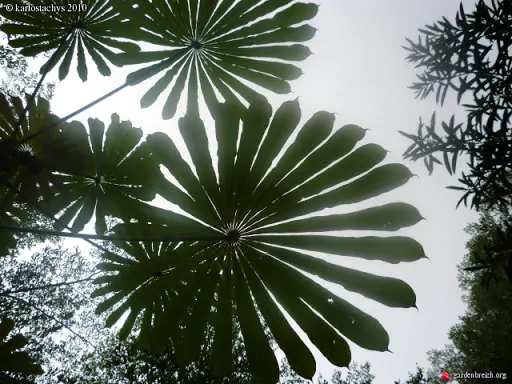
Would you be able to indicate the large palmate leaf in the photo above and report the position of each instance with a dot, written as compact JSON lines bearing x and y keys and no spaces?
{"x":115,"y":174}
{"x":76,"y":26}
{"x":12,"y":360}
{"x":259,"y":260}
{"x":27,"y":168}
{"x":211,"y":45}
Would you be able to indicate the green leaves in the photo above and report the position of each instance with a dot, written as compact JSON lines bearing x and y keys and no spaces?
{"x":262,"y":238}
{"x":471,"y":57}
{"x":249,"y":220}
{"x":11,"y":359}
{"x":223,"y":44}
{"x":69,"y":28}
{"x":114,"y":175}
{"x":27,"y":169}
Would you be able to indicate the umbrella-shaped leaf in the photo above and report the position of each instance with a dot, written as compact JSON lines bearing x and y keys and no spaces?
{"x":28,"y":166}
{"x":247,"y":245}
{"x":113,"y":180}
{"x":224,"y":42}
{"x":66,"y":27}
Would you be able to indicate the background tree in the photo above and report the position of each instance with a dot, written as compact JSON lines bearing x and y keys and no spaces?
{"x":15,"y":75}
{"x":473,"y":57}
{"x":46,"y":293}
{"x":122,"y":361}
{"x":418,"y":377}
{"x":357,"y":374}
{"x":13,"y":361}
{"x":482,"y":340}
{"x":117,"y":361}
{"x":484,"y":334}
{"x":448,"y":359}
{"x":490,"y":251}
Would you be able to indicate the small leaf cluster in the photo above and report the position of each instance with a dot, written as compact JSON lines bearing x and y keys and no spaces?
{"x":473,"y":58}
{"x":495,"y":257}
{"x":12,"y":359}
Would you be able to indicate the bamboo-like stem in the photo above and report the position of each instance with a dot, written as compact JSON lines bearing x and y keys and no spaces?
{"x":111,"y":238}
{"x":164,"y":63}
{"x":30,"y":289}
{"x":73,"y":114}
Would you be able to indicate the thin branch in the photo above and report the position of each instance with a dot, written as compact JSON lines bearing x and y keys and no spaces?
{"x":109,"y":237}
{"x":164,"y":63}
{"x":50,"y":216}
{"x":91,"y":104}
{"x":30,"y":289}
{"x":60,"y":322}
{"x":21,"y":119}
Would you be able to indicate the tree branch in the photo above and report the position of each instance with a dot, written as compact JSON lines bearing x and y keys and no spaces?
{"x":50,"y":216}
{"x":30,"y":289}
{"x":111,"y":238}
{"x":52,"y":318}
{"x":164,"y":63}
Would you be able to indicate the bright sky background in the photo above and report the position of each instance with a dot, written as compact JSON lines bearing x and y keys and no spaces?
{"x":357,"y":71}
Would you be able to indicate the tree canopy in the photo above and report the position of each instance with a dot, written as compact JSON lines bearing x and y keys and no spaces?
{"x":15,"y":78}
{"x":482,"y":339}
{"x":470,"y":56}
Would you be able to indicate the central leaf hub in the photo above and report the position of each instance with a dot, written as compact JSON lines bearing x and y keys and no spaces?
{"x":195,"y":44}
{"x":233,"y":236}
{"x":80,"y":24}
{"x":98,"y":180}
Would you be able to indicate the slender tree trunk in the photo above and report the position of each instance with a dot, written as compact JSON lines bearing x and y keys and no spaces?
{"x":30,"y":289}
{"x":112,"y":238}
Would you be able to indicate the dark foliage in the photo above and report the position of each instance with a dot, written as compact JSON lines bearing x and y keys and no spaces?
{"x":471,"y":57}
{"x":45,"y":294}
{"x":482,"y":339}
{"x":418,"y":377}
{"x":15,"y":77}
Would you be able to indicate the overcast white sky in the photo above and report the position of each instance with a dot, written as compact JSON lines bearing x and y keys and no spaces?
{"x":358,"y":71}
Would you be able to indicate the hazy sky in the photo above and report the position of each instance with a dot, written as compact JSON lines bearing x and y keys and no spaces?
{"x":357,"y":71}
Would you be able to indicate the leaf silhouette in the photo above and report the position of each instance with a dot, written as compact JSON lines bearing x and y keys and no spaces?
{"x":260,"y":257}
{"x":28,"y":168}
{"x":76,"y":27}
{"x":219,"y":44}
{"x":115,"y":174}
{"x":13,"y":360}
